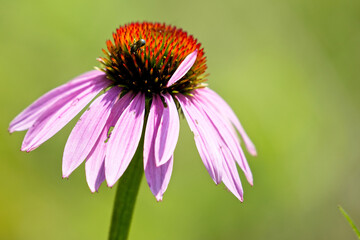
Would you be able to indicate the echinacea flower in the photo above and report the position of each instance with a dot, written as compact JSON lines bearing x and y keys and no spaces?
{"x":151,"y":72}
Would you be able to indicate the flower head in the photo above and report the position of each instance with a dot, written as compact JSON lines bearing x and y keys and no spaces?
{"x":150,"y":72}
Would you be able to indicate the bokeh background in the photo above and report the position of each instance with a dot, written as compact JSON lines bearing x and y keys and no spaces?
{"x":289,"y":69}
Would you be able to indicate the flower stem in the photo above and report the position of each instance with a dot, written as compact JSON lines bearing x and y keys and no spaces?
{"x":126,"y":194}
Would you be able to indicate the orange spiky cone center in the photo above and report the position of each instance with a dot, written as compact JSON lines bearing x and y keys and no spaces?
{"x":143,"y":57}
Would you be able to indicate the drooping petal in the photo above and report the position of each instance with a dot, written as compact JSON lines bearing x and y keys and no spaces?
{"x":226,"y":110}
{"x":95,"y":163}
{"x":59,"y":114}
{"x":183,"y":68}
{"x":227,"y":137}
{"x":95,"y":173}
{"x":231,"y":177}
{"x":205,"y":139}
{"x":168,"y":131}
{"x":158,"y":177}
{"x":87,"y":130}
{"x":124,"y":139}
{"x":152,"y":126}
{"x":28,"y":116}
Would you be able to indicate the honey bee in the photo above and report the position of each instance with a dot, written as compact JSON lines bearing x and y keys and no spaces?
{"x":137,"y":45}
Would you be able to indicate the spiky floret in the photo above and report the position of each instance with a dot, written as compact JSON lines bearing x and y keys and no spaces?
{"x":143,"y":57}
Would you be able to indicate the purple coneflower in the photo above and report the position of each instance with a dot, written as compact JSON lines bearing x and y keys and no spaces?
{"x":151,"y":72}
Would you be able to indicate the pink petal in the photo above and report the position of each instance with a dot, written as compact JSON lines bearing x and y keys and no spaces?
{"x":95,"y":164}
{"x":152,"y":126}
{"x":28,"y":116}
{"x":95,"y":173}
{"x":124,"y":139}
{"x":88,"y":76}
{"x":183,"y":68}
{"x":231,"y":177}
{"x":227,"y":137}
{"x":168,"y":131}
{"x":158,"y":177}
{"x":87,"y":130}
{"x":226,"y":110}
{"x":59,"y":114}
{"x":205,"y":138}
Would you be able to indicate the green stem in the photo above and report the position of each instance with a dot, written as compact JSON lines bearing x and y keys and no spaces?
{"x":126,"y":194}
{"x":356,"y":230}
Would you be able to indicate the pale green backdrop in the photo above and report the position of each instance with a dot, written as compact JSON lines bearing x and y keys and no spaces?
{"x":289,"y":69}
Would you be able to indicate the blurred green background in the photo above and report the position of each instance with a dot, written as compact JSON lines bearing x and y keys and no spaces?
{"x":289,"y":69}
